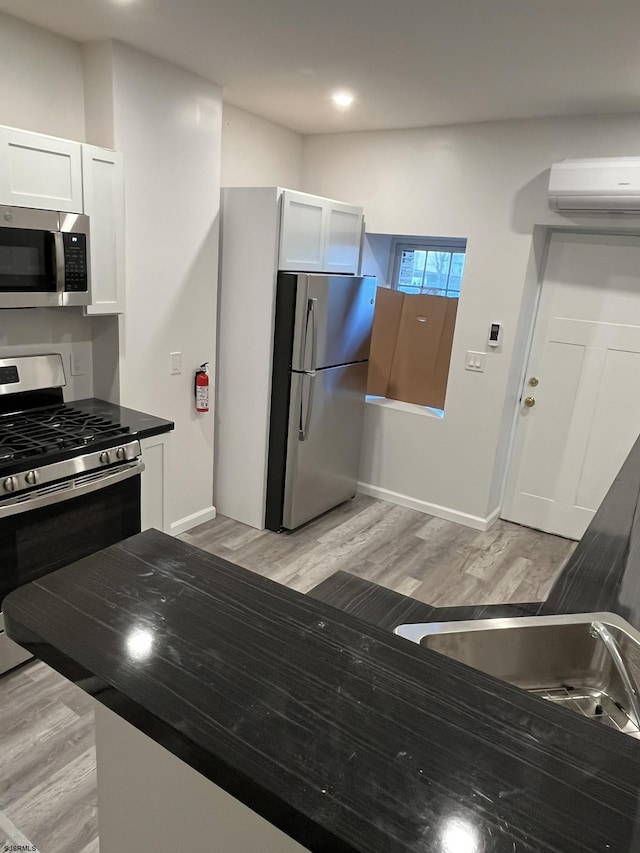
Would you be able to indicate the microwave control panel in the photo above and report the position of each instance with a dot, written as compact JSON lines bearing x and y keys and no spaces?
{"x":75,"y":262}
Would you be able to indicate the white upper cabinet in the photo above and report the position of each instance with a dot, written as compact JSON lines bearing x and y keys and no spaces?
{"x":318,"y":234}
{"x":40,"y":171}
{"x":103,"y":182}
{"x":344,"y":237}
{"x":302,"y":232}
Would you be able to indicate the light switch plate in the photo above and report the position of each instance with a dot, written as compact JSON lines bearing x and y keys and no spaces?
{"x":475,"y":361}
{"x":176,"y":363}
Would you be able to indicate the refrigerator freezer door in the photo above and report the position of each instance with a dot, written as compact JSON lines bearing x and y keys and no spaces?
{"x":323,"y":448}
{"x":333,"y":320}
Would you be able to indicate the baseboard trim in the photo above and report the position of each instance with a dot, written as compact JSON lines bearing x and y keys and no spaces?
{"x":189,"y":521}
{"x":477,"y":522}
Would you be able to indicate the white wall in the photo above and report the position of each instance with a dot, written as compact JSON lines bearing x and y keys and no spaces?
{"x":33,"y":331}
{"x":485,"y":182}
{"x":259,"y":153}
{"x":41,"y":85}
{"x":41,"y":89}
{"x":376,"y":256}
{"x":167,"y":124}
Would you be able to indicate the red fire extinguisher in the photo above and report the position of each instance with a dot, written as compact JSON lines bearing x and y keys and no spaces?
{"x":201,"y":388}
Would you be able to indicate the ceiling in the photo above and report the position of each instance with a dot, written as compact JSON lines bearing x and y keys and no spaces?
{"x":410,"y":63}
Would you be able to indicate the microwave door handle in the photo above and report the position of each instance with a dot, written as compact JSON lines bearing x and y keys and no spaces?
{"x":58,"y":250}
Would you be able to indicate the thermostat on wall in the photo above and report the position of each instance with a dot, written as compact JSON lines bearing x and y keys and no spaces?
{"x":495,"y":335}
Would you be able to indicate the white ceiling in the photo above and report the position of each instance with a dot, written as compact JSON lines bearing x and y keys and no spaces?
{"x":410,"y":63}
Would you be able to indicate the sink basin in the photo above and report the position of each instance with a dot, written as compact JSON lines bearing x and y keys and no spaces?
{"x":588,"y":663}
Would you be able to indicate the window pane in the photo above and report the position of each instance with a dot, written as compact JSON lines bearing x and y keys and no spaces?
{"x":411,"y":272}
{"x":437,"y":272}
{"x":433,"y":271}
{"x":455,"y":277}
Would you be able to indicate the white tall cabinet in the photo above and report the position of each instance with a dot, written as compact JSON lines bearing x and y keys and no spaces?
{"x":264,"y":229}
{"x":103,"y":186}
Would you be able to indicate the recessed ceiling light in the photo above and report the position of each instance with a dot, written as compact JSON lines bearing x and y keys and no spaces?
{"x":342,"y":99}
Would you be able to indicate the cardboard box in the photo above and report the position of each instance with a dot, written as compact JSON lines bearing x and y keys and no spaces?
{"x":411,"y":345}
{"x":386,"y":322}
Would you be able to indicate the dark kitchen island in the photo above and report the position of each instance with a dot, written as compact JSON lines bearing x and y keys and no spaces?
{"x":333,"y":730}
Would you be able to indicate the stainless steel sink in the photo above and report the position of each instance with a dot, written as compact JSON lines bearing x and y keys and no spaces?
{"x":588,"y":663}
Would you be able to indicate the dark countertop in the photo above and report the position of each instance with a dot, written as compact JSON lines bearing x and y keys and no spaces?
{"x":139,"y":423}
{"x":343,"y":735}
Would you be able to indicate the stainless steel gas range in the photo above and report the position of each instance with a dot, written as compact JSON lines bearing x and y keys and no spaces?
{"x":69,"y":480}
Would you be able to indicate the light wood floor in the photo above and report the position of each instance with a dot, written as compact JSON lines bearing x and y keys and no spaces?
{"x":47,"y":756}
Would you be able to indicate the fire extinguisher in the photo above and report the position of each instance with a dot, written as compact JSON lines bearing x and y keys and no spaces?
{"x":201,"y":388}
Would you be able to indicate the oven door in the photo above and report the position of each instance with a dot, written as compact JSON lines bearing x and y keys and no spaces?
{"x":29,"y":257}
{"x":52,"y":527}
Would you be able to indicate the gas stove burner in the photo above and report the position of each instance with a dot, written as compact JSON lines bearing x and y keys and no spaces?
{"x":40,"y":433}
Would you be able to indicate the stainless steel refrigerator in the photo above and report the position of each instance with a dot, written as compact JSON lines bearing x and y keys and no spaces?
{"x":320,"y":359}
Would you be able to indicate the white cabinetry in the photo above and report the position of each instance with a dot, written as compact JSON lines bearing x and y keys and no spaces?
{"x":318,"y":234}
{"x":40,"y":171}
{"x":103,"y":186}
{"x":264,"y":229}
{"x":154,"y":487}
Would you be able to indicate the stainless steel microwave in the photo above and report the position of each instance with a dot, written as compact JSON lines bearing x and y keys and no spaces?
{"x":44,"y":258}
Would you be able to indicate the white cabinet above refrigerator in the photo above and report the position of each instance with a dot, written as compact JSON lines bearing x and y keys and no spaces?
{"x":319,"y":234}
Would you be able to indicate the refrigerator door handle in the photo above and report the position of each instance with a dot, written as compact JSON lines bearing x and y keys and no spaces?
{"x":305,"y":417}
{"x":311,"y":320}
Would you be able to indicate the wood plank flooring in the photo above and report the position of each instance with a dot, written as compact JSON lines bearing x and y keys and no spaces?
{"x":47,"y":753}
{"x":436,"y":561}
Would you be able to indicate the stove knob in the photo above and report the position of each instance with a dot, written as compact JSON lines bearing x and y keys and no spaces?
{"x":105,"y":457}
{"x":10,"y":484}
{"x":121,"y":453}
{"x":31,"y":477}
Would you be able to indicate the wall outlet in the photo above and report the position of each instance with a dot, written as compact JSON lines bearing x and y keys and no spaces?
{"x":176,"y":363}
{"x":475,"y":361}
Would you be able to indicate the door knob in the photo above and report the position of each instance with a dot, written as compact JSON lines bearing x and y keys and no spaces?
{"x":529,"y":402}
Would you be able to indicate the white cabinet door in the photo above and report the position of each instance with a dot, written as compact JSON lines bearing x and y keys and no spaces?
{"x":319,"y":235}
{"x":103,"y":181}
{"x":40,"y":171}
{"x":343,"y":238}
{"x":302,"y":232}
{"x":155,"y":481}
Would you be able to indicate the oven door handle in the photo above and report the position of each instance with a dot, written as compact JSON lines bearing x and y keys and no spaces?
{"x":70,"y":489}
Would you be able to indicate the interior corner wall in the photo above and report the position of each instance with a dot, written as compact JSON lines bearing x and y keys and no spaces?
{"x":488,"y":183}
{"x":167,"y":124}
{"x":41,"y":90}
{"x":259,"y":153}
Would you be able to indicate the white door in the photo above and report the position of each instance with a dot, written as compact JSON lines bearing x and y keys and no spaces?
{"x":584,"y":410}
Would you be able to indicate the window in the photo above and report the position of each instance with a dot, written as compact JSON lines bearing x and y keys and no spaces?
{"x":409,"y":361}
{"x":428,"y":267}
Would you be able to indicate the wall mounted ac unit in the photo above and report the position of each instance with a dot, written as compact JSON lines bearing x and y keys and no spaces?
{"x":602,"y":185}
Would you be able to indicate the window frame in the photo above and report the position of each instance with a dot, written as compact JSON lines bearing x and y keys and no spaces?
{"x":443,"y":244}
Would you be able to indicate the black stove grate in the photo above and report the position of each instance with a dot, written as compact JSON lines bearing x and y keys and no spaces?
{"x":51,"y":430}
